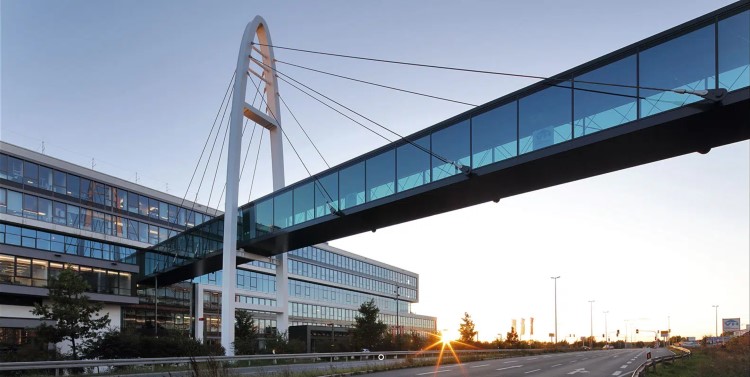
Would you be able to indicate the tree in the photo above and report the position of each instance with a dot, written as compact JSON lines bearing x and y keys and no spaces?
{"x":369,"y":331}
{"x":466,"y":329}
{"x":511,"y":338}
{"x":245,"y":333}
{"x":74,"y":315}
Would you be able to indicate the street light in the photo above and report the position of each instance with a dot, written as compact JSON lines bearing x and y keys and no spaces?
{"x":591,"y":341}
{"x":332,"y":340}
{"x":606,"y":333}
{"x":555,"y":279}
{"x":398,"y":333}
{"x":716,"y":321}
{"x":156,"y":300}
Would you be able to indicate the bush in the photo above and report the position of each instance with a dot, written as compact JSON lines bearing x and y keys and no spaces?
{"x":128,"y":344}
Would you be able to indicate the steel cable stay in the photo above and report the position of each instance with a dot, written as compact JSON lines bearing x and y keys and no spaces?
{"x":700,"y":93}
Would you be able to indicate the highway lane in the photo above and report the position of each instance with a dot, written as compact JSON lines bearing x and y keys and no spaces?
{"x":584,"y":363}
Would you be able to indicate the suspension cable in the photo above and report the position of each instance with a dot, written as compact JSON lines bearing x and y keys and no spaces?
{"x":303,"y":131}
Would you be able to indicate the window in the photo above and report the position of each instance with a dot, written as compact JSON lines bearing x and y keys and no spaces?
{"x":15,"y":170}
{"x":87,"y":190}
{"x":30,"y":174}
{"x":99,"y":194}
{"x":304,"y":203}
{"x":30,"y":206}
{"x":282,"y":210}
{"x":413,"y":164}
{"x":45,"y":178}
{"x":352,"y":186}
{"x":3,"y":201}
{"x":73,"y":216}
{"x":44,"y":210}
{"x":450,"y":147}
{"x":132,"y":202}
{"x":381,"y":174}
{"x":143,"y":205}
{"x":3,"y":166}
{"x":599,"y":107}
{"x":153,"y":208}
{"x":734,"y":51}
{"x":494,"y":135}
{"x":544,"y":118}
{"x":58,"y":184}
{"x":74,"y":186}
{"x":326,"y":195}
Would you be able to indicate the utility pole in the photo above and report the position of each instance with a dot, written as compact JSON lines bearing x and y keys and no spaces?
{"x":606,"y":333}
{"x":716,"y":321}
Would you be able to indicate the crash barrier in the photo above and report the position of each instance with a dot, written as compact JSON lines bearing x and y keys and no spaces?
{"x":651,"y":363}
{"x":106,"y":366}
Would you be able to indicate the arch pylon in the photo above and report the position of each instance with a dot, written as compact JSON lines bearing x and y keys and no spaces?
{"x":270,"y":119}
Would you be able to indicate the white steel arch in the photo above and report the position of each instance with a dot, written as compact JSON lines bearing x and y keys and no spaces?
{"x":271,"y":120}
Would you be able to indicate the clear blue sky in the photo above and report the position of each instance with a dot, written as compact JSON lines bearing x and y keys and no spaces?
{"x":135,"y":85}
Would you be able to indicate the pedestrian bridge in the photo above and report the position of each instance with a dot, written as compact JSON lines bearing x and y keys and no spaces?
{"x":682,"y":91}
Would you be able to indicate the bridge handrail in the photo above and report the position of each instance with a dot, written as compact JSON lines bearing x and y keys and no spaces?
{"x":64,"y":364}
{"x":641,"y":370}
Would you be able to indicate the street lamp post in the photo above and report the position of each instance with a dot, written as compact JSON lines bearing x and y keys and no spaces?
{"x":555,"y":279}
{"x":398,"y":332}
{"x":606,"y":333}
{"x":591,"y":341}
{"x":156,"y":301}
{"x":716,"y":320}
{"x":332,"y":340}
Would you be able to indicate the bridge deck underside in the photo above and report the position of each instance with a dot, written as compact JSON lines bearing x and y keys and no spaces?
{"x":694,"y":128}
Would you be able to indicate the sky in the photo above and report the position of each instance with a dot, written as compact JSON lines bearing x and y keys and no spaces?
{"x":133,"y":87}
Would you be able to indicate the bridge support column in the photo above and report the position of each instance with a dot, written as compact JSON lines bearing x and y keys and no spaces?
{"x":271,"y":120}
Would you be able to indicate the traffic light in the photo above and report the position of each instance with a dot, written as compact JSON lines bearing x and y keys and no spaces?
{"x":618,"y":332}
{"x":636,"y":331}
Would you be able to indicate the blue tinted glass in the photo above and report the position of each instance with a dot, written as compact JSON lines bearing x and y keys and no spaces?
{"x":45,"y":178}
{"x":30,"y":173}
{"x":3,"y":166}
{"x":450,"y":147}
{"x":598,"y":107}
{"x":685,"y":62}
{"x":304,"y":203}
{"x":264,"y":217}
{"x":73,"y":186}
{"x":413,"y":164}
{"x":326,"y":194}
{"x":282,"y":210}
{"x":544,"y":118}
{"x":15,"y":169}
{"x":352,"y":186}
{"x":381,"y":172}
{"x":734,"y":51}
{"x":494,"y":135}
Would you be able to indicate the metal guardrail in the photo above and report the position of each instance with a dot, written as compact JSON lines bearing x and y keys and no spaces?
{"x":177,"y":361}
{"x":643,"y":368}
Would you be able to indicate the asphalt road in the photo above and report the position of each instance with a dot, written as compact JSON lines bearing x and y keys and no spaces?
{"x":586,"y":363}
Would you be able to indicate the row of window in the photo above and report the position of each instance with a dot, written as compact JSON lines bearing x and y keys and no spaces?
{"x":255,"y":300}
{"x":338,"y":260}
{"x":351,"y":280}
{"x":254,"y":281}
{"x":323,"y":293}
{"x":349,"y":315}
{"x":50,"y":211}
{"x":58,"y":243}
{"x":37,"y":272}
{"x":35,"y":175}
{"x":710,"y":56}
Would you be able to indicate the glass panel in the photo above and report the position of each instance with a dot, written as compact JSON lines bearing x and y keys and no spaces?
{"x":413,"y":164}
{"x":121,"y":200}
{"x":7,"y":267}
{"x":734,"y":51}
{"x":86,"y":216}
{"x":494,"y":135}
{"x":598,"y":107}
{"x":74,"y":185}
{"x":45,"y":178}
{"x":15,"y":170}
{"x":153,"y":208}
{"x":304,"y":203}
{"x":87,"y":192}
{"x":98,"y":193}
{"x":29,"y":206}
{"x":143,"y":205}
{"x":172,"y":214}
{"x":97,"y":224}
{"x":30,"y":173}
{"x":326,"y":194}
{"x":59,"y":213}
{"x":381,"y":173}
{"x":45,"y":210}
{"x":3,"y":166}
{"x":3,"y":201}
{"x":666,"y":66}
{"x":352,"y":186}
{"x":153,"y":234}
{"x":544,"y":118}
{"x":59,"y":185}
{"x":132,"y":202}
{"x":163,"y":211}
{"x":109,"y":195}
{"x":282,"y":210}
{"x":142,"y":231}
{"x":450,"y":146}
{"x":73,"y":215}
{"x":264,"y":217}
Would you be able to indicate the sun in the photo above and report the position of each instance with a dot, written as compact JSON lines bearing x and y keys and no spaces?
{"x":445,"y":340}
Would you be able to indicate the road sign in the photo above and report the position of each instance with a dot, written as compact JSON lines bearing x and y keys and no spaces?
{"x":648,"y":355}
{"x":664,"y":334}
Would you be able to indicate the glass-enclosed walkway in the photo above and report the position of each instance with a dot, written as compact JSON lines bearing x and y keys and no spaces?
{"x":623,"y":109}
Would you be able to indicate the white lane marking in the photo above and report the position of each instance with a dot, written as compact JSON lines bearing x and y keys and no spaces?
{"x":623,"y":367}
{"x":510,"y":367}
{"x":533,"y":358}
{"x":479,"y":366}
{"x":512,"y":361}
{"x":629,"y":362}
{"x":546,"y":356}
{"x":585,"y":358}
{"x":556,"y":365}
{"x":435,"y":371}
{"x":579,"y":370}
{"x":532,"y":371}
{"x":573,"y":361}
{"x":616,"y":373}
